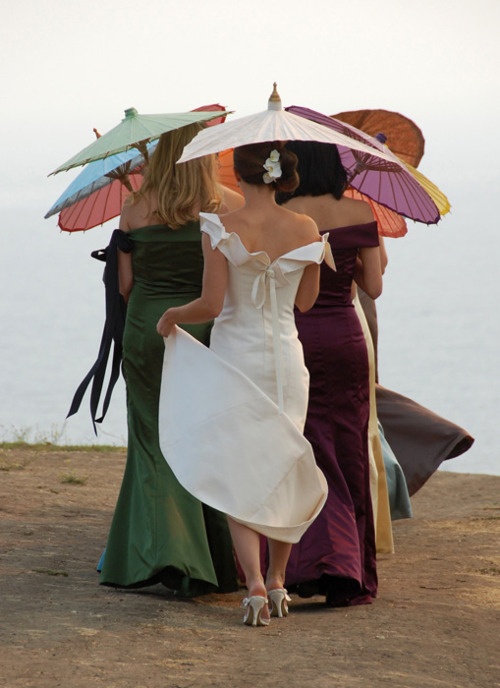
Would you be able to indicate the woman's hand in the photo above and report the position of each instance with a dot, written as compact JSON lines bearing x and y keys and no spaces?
{"x":167,"y":322}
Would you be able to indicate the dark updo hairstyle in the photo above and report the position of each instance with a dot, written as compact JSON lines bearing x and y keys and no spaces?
{"x":249,"y":164}
{"x":320,"y":170}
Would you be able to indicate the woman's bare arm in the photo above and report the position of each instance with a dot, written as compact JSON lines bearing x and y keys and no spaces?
{"x":308,"y":290}
{"x":368,"y":271}
{"x":209,"y":304}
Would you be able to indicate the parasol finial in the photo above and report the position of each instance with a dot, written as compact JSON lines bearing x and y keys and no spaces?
{"x":274,"y":100}
{"x":97,"y":134}
{"x":130,"y":112}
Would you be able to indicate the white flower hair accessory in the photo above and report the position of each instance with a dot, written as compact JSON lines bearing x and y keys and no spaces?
{"x":272,"y":167}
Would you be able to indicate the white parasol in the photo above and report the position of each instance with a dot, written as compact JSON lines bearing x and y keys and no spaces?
{"x":273,"y":124}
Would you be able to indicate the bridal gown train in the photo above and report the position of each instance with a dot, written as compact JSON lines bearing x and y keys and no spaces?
{"x":231,"y":417}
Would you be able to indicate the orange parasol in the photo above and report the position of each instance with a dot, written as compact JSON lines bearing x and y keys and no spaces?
{"x":402,"y":136}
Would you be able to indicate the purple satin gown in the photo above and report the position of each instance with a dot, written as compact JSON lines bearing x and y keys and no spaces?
{"x":336,"y":557}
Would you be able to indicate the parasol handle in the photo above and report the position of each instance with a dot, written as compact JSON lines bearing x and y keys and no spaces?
{"x":143,"y":150}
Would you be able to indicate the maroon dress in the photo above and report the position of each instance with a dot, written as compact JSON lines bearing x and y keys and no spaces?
{"x":336,"y":557}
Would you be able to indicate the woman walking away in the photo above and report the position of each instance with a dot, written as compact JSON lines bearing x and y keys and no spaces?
{"x":242,"y":447}
{"x":160,"y":533}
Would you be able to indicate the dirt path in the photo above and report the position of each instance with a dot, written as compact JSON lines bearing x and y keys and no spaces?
{"x":435,"y":625}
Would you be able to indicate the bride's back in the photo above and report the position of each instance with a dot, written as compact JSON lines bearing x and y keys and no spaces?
{"x":271,"y":229}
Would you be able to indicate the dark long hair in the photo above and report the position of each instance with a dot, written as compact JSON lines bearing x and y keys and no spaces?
{"x":320,"y":170}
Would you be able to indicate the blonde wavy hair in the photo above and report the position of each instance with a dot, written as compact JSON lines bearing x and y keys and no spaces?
{"x":182,"y":191}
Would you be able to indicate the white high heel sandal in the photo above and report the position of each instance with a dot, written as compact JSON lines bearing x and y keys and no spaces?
{"x":254,"y":606}
{"x":279,"y":598}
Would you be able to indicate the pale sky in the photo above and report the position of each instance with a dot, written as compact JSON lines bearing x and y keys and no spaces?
{"x":67,"y":66}
{"x":70,"y":65}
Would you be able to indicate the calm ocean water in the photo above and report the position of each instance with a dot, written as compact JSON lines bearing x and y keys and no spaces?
{"x":438,"y":320}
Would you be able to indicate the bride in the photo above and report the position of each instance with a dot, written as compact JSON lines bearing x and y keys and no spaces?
{"x":232,"y":417}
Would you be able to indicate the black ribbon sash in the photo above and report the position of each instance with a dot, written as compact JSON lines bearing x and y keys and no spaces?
{"x":112,"y":334}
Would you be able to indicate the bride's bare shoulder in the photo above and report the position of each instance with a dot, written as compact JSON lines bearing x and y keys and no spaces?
{"x":304,"y":224}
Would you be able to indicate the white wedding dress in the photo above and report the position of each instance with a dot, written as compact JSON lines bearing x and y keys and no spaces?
{"x":231,"y":417}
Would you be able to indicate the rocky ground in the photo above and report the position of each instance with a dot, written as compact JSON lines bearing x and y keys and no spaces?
{"x":435,"y":624}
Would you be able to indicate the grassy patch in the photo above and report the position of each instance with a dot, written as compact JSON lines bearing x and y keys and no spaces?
{"x":15,"y":437}
{"x":51,"y":572}
{"x":72,"y":479}
{"x":6,"y":466}
{"x":48,"y":446}
{"x":490,"y":571}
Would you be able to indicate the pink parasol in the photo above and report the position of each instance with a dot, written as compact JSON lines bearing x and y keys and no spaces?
{"x":386,"y":181}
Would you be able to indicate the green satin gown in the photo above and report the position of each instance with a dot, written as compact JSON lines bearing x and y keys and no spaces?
{"x":160,"y":533}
